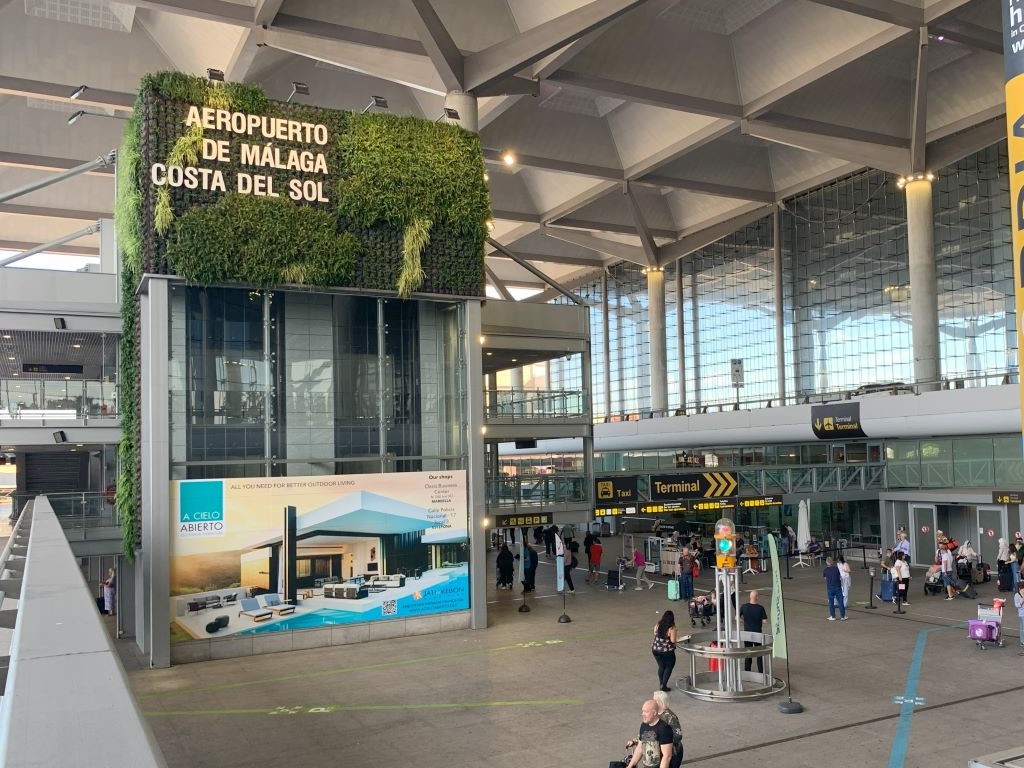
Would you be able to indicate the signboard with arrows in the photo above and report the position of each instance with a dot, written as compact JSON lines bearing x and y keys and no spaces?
{"x":706,"y":485}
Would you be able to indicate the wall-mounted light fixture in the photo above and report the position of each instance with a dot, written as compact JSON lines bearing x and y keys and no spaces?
{"x":214,"y":75}
{"x":449,"y":113}
{"x":60,"y":436}
{"x":375,"y":101}
{"x":297,"y":88}
{"x":902,"y":181}
{"x":82,"y":113}
{"x":78,"y":92}
{"x":60,"y":323}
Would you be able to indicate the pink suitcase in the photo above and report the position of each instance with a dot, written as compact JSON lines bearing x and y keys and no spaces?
{"x":986,"y":631}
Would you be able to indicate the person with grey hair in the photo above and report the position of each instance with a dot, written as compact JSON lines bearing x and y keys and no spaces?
{"x":671,"y":719}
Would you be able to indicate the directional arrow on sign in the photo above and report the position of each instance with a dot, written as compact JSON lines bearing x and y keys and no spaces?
{"x":720,"y":484}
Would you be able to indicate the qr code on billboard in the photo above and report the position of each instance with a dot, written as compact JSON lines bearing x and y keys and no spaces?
{"x":389,"y":608}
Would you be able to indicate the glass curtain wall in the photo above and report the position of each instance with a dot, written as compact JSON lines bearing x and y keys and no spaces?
{"x":847,"y":297}
{"x":291,"y":384}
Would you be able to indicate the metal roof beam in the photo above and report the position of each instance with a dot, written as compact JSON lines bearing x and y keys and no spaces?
{"x":554,"y":164}
{"x":534,"y":271}
{"x":694,"y":241}
{"x":640,"y":94}
{"x":613,"y":248}
{"x":44,"y":163}
{"x":209,"y":10}
{"x":835,"y":141}
{"x":445,"y":55}
{"x":646,"y":239}
{"x":499,"y":286}
{"x":52,"y":213}
{"x":948,"y":150}
{"x":510,"y":56}
{"x":337,"y":32}
{"x":900,"y":14}
{"x":93,"y":97}
{"x":919,"y":114}
{"x":708,"y":188}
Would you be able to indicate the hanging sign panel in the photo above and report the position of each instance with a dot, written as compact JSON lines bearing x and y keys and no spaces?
{"x":704,"y":485}
{"x":836,"y":420}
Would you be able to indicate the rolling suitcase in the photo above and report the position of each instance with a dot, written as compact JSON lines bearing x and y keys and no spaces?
{"x":673,"y":589}
{"x":986,"y":572}
{"x":1005,"y":580}
{"x":612,"y":582}
{"x":887,"y":591}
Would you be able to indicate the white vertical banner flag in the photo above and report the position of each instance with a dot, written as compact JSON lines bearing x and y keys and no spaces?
{"x":559,"y":564}
{"x":777,"y":614}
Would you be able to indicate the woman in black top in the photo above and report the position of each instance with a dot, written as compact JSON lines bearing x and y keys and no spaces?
{"x":664,"y":648}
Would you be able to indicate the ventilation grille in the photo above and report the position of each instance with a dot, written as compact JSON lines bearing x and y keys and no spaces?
{"x":117,"y":17}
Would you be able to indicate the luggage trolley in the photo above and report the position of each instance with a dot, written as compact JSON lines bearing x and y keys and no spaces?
{"x":613,"y":581}
{"x":988,"y":627}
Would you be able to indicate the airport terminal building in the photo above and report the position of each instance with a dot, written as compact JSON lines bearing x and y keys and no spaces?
{"x":353,"y":293}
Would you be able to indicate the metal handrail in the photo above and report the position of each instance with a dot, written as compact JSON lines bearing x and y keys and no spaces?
{"x":63,"y":664}
{"x":994,"y":378}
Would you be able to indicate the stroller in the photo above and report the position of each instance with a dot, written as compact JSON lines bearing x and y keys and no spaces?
{"x":933,"y":582}
{"x":702,"y":608}
{"x":988,"y":627}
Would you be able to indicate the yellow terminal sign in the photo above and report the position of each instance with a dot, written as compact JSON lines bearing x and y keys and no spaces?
{"x":725,"y":544}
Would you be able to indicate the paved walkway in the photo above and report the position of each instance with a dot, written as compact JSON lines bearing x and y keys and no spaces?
{"x":529,"y":691}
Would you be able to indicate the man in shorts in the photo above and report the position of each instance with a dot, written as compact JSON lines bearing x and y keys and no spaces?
{"x":946,"y":569}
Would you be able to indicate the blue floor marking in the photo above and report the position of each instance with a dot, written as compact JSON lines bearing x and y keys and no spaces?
{"x":910,"y":699}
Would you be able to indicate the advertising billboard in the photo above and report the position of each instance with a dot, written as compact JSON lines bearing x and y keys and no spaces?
{"x":254,"y":555}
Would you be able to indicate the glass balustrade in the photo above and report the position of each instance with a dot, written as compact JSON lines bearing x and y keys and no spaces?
{"x":531,"y":404}
{"x":82,"y":509}
{"x":48,"y":400}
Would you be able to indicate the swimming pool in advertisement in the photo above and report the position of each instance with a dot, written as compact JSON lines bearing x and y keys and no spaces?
{"x":449,"y":595}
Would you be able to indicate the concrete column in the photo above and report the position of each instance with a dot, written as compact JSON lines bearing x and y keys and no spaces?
{"x":695,"y":332}
{"x":656,"y":331}
{"x":606,"y":345}
{"x":681,"y":336}
{"x":780,"y":305}
{"x":153,"y":621}
{"x":465,"y":104}
{"x":476,"y":481}
{"x":518,"y":395}
{"x":924,"y":304}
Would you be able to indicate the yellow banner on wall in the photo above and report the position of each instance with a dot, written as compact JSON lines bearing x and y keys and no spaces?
{"x":1013,"y":61}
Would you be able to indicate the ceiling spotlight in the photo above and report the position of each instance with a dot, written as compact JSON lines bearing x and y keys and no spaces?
{"x":76,"y":117}
{"x":449,"y":113}
{"x":214,"y":75}
{"x":300,"y":88}
{"x":508,"y":157}
{"x":375,"y":101}
{"x":490,"y":225}
{"x":78,"y":92}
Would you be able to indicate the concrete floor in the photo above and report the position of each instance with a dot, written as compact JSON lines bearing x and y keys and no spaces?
{"x":529,"y":691}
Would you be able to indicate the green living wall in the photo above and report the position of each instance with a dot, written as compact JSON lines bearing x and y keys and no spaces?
{"x":217,"y":184}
